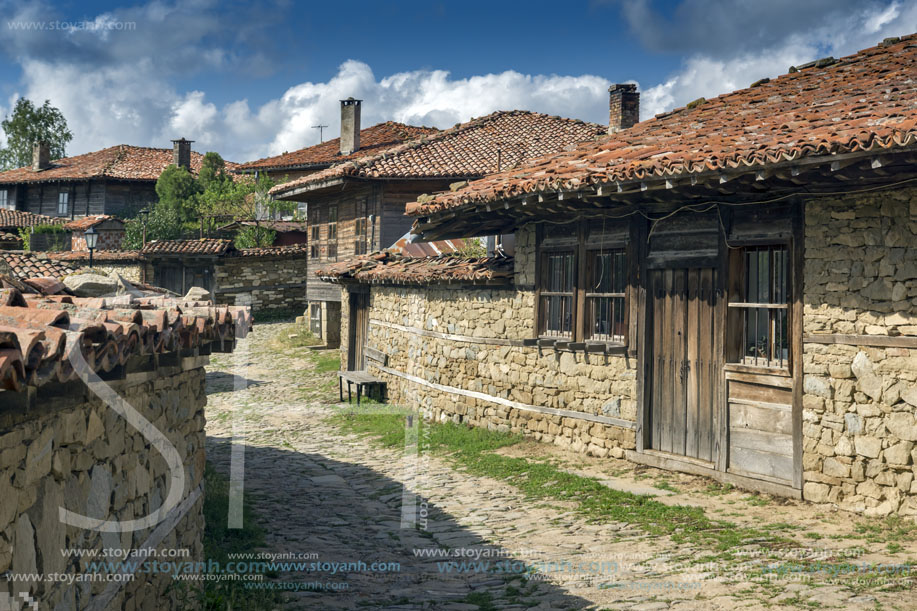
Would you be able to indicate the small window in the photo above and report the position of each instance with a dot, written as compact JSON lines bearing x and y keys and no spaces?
{"x":5,"y":200}
{"x":315,"y":319}
{"x":63,"y":203}
{"x":359,"y":243}
{"x":332,"y":251}
{"x":314,"y":251}
{"x":314,"y":227}
{"x":333,"y":223}
{"x":557,"y":282}
{"x":605,"y":313}
{"x":759,"y":306}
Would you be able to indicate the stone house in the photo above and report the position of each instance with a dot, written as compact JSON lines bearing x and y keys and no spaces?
{"x":270,"y":278}
{"x":69,"y":461}
{"x":119,"y":180}
{"x":110,"y":230}
{"x":727,"y":289}
{"x":357,"y":206}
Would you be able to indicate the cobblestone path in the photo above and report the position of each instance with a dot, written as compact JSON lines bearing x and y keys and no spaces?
{"x":333,"y":497}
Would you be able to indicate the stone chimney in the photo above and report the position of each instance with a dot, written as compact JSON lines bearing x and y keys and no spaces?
{"x":181,"y":153}
{"x":623,"y":107}
{"x":350,"y":126}
{"x":41,"y":155}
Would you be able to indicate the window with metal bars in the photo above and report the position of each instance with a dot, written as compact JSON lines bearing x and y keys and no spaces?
{"x":582,"y":282}
{"x":606,"y":275}
{"x":759,"y":306}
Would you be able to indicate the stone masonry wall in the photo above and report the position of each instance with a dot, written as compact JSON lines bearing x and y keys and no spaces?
{"x":272,"y":283}
{"x":594,"y":384}
{"x":859,"y":427}
{"x":79,"y":454}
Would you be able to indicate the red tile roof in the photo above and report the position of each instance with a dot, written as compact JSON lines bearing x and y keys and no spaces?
{"x":27,"y":265}
{"x":218,"y":247}
{"x":7,"y":237}
{"x":407,"y":248}
{"x":372,"y":139}
{"x":393,"y":268}
{"x":122,"y":162}
{"x":204,"y":246}
{"x":278,"y":226}
{"x":20,"y":218}
{"x":502,"y":139}
{"x":99,"y":255}
{"x":38,"y":334}
{"x":867,"y":101}
{"x":91,"y":221}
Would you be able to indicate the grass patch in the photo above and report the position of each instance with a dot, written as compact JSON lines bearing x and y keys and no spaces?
{"x":292,"y":337}
{"x":219,"y":542}
{"x":473,"y":449}
{"x":326,"y":362}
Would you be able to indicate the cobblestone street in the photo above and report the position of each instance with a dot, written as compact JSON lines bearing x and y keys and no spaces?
{"x":335,"y":497}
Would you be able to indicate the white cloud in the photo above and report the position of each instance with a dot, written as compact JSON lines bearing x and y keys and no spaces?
{"x":840,"y":33}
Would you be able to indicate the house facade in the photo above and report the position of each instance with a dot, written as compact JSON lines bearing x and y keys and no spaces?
{"x":264,"y":279}
{"x":728,"y":289}
{"x":119,"y":180}
{"x":357,"y":206}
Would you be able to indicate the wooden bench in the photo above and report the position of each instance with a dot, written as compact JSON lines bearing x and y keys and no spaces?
{"x":361,"y":380}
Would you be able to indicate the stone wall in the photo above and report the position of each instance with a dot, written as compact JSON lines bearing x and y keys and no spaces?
{"x":272,"y":283}
{"x":465,"y":343}
{"x":77,"y":453}
{"x":859,"y":428}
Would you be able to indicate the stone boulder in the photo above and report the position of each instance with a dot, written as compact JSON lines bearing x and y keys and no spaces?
{"x":91,"y":285}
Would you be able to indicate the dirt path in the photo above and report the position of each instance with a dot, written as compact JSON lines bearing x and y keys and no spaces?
{"x":332,"y":497}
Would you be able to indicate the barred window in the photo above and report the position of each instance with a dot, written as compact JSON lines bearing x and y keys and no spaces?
{"x":605,"y":313}
{"x":759,"y":306}
{"x":557,"y":286}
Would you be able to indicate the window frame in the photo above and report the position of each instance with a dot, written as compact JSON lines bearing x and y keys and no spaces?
{"x":63,"y":203}
{"x":5,"y":200}
{"x":589,"y":333}
{"x":738,"y":307}
{"x":583,"y":249}
{"x":315,"y":319}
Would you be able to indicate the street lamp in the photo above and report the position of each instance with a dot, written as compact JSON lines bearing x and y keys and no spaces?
{"x":143,"y":216}
{"x":91,"y":238}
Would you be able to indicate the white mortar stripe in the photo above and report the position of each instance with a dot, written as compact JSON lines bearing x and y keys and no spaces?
{"x":565,"y":413}
{"x":493,"y":341}
{"x":103,"y":600}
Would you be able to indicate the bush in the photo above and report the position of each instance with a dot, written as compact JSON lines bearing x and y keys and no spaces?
{"x":163,"y":223}
{"x":255,"y":237}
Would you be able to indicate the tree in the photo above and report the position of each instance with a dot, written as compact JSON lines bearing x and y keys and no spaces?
{"x":29,"y":124}
{"x":162,"y":223}
{"x":178,"y":190}
{"x":245,"y":199}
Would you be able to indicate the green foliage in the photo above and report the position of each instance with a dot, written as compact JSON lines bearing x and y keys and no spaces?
{"x":26,"y":236}
{"x":177,"y":190}
{"x":473,"y":248}
{"x":213,"y":172}
{"x":163,"y":223}
{"x":48,"y":228}
{"x":29,"y":124}
{"x":255,"y":237}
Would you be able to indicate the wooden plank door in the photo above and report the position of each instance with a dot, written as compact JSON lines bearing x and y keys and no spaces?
{"x":683,"y":372}
{"x":358,"y":328}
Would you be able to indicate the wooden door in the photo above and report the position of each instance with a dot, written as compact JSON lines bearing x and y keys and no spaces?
{"x":358,"y":328}
{"x":683,"y":372}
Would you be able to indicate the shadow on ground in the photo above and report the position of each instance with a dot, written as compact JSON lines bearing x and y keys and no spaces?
{"x":335,"y":512}
{"x":220,"y":381}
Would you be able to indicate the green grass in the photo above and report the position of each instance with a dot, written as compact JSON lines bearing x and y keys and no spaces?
{"x":302,"y":338}
{"x":219,"y":542}
{"x":326,"y":362}
{"x":473,"y":449}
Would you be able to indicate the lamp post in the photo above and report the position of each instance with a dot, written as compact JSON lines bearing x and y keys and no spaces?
{"x":91,"y":238}
{"x":143,"y":216}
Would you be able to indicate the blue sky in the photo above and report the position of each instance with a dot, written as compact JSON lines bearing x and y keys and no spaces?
{"x":250,"y":79}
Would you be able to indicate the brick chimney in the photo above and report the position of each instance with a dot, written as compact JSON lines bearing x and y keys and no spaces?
{"x":350,"y":126}
{"x":41,"y":155}
{"x":623,"y":107}
{"x":181,"y":153}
